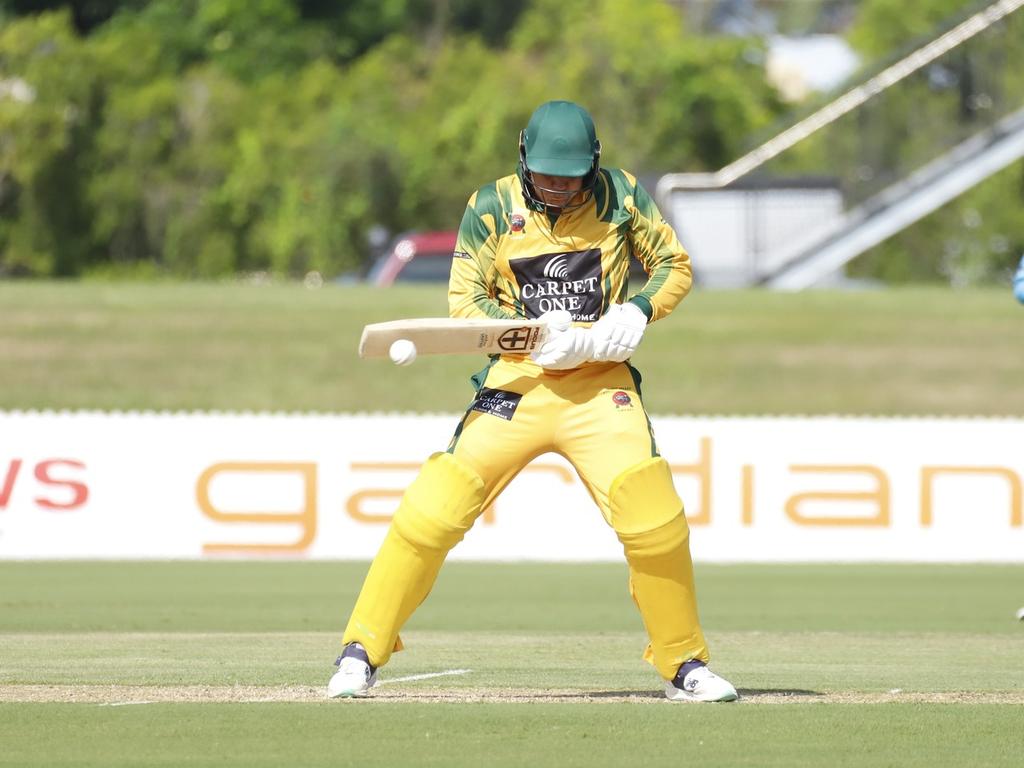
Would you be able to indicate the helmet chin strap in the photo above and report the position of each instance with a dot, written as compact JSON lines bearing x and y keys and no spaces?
{"x":531,"y":188}
{"x":567,"y":195}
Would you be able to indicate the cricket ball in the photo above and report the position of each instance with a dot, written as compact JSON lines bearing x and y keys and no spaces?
{"x":402,"y":352}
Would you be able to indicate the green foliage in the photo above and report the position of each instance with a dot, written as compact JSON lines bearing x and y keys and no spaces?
{"x":207,"y":137}
{"x":455,"y":110}
{"x":976,"y":238}
{"x":47,"y":122}
{"x":86,"y":14}
{"x":675,"y":102}
{"x":884,"y":27}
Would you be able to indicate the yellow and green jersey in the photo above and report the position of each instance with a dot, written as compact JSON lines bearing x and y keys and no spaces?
{"x":514,"y":261}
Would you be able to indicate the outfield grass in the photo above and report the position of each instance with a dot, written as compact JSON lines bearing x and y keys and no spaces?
{"x":237,"y":347}
{"x":511,"y":735}
{"x":837,"y":665}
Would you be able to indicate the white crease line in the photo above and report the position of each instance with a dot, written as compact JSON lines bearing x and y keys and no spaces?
{"x":425,"y":676}
{"x":125,"y":703}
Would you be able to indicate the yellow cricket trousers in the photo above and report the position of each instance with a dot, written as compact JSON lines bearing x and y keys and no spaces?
{"x":594,"y":417}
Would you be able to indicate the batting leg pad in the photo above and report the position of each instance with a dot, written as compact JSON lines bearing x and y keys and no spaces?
{"x":436,"y":511}
{"x":647,"y":515}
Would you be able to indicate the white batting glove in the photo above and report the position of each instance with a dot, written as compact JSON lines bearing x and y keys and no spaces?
{"x":565,"y":347}
{"x":618,"y":333}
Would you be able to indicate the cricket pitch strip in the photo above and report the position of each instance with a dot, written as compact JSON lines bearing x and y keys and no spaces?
{"x":123,"y":695}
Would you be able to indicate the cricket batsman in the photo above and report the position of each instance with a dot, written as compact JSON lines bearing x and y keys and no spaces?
{"x":553,"y":241}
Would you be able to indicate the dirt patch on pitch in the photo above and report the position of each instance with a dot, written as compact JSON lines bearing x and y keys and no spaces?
{"x":151,"y":694}
{"x":115,"y":695}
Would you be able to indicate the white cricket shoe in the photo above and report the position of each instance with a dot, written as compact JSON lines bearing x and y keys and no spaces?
{"x":354,"y":678}
{"x":701,"y":684}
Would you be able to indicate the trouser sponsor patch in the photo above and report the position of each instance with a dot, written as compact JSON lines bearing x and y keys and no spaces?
{"x":497,"y":402}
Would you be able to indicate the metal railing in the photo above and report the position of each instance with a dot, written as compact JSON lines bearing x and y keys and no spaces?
{"x":962,"y":81}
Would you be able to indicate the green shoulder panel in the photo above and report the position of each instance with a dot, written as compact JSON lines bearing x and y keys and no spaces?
{"x":495,"y":199}
{"x":613,"y":186}
{"x":645,"y":204}
{"x":510,"y":197}
{"x":473,"y":231}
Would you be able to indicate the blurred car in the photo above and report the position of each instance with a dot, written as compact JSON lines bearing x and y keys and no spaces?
{"x":415,"y":257}
{"x":426,"y":257}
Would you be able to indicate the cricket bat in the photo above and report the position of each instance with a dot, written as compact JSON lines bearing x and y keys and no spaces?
{"x":454,"y":336}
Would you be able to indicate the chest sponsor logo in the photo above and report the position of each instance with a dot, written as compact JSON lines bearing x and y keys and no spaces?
{"x":569,"y":281}
{"x":497,"y":402}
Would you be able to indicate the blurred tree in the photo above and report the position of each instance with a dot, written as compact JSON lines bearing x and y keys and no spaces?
{"x":162,"y":155}
{"x":200,"y":138}
{"x":906,"y":126}
{"x":223,"y":135}
{"x":455,"y":112}
{"x":347,"y":29}
{"x":883,"y":28}
{"x":249,"y":39}
{"x":47,"y":115}
{"x":494,"y":22}
{"x":87,"y":14}
{"x":254,"y":38}
{"x":300,"y":190}
{"x":356,"y":26}
{"x":974,"y":238}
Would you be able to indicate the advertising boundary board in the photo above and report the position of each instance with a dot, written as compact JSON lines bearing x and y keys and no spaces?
{"x":133,"y":485}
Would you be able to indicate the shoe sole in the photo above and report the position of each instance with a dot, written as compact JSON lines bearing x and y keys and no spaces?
{"x":360,"y":692}
{"x":689,"y":698}
{"x":351,"y":693}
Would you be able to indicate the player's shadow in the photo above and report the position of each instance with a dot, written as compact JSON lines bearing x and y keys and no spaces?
{"x":761,"y":693}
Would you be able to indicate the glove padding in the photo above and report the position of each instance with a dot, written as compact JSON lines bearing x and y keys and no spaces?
{"x":565,"y":347}
{"x":618,"y":333}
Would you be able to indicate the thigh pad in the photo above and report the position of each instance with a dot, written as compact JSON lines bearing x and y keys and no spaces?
{"x":441,"y":504}
{"x":644,"y":498}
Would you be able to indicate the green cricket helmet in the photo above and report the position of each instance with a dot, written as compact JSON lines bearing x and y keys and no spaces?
{"x":559,"y":140}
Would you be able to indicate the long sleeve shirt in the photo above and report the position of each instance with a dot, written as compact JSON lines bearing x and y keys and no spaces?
{"x":512,"y":260}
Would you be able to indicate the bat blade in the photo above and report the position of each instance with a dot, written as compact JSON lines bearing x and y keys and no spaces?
{"x":454,"y":336}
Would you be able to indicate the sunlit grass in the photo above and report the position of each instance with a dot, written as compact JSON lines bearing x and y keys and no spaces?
{"x":283,"y":347}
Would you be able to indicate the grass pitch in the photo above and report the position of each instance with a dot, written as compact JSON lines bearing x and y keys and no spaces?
{"x":225,"y":663}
